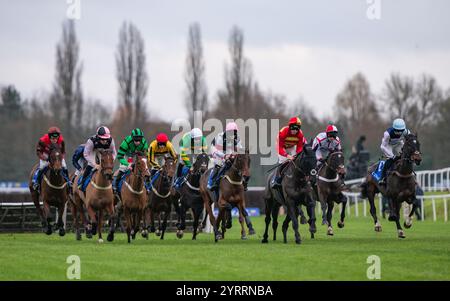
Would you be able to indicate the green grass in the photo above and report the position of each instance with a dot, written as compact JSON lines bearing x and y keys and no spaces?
{"x":423,"y":255}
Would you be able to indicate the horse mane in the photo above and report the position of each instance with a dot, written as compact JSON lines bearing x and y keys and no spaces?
{"x":54,"y":147}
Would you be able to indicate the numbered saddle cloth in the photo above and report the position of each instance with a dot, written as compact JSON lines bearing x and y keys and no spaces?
{"x":376,"y":174}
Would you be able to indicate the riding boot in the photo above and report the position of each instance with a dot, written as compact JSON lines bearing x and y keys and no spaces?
{"x":65,"y":174}
{"x":37,"y":179}
{"x":116,"y":181}
{"x":245,"y":183}
{"x":387,"y":166}
{"x":212,"y":177}
{"x":85,"y":174}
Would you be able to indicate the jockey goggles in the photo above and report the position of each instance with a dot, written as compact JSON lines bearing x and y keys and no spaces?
{"x":137,"y":138}
{"x":398,"y":132}
{"x":294,"y":127}
{"x":53,"y":135}
{"x":161,"y":144}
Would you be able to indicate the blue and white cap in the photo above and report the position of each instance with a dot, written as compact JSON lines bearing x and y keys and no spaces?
{"x":399,"y":124}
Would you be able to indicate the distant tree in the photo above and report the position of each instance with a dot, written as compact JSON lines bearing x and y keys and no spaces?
{"x":197,"y":96}
{"x":11,"y":103}
{"x":131,"y":74}
{"x":67,"y":98}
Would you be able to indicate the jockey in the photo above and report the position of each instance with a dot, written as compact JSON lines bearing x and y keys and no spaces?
{"x":53,"y":136}
{"x":192,"y":142}
{"x":290,"y":142}
{"x":222,"y":146}
{"x":158,"y":149}
{"x":392,"y":144}
{"x":78,"y":160}
{"x":101,"y":140}
{"x":325,"y":143}
{"x":130,"y":145}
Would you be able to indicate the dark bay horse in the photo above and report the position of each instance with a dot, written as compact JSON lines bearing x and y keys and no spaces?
{"x":400,"y":185}
{"x":296,"y":190}
{"x":330,"y":185}
{"x":134,"y":197}
{"x":189,"y":196}
{"x":231,"y":193}
{"x":98,"y":198}
{"x":54,"y":191}
{"x":160,"y":197}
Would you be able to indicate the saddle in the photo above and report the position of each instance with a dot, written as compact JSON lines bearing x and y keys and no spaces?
{"x":86,"y":180}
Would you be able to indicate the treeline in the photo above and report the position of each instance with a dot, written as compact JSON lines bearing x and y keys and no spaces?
{"x":357,"y":110}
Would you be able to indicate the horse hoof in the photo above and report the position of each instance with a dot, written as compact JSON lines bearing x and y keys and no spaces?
{"x":392,"y":218}
{"x":218,"y":237}
{"x":110,"y":237}
{"x":303,"y":220}
{"x":158,"y":233}
{"x":94,"y":229}
{"x":324,"y":222}
{"x":401,"y":234}
{"x":330,"y":232}
{"x":378,"y":228}
{"x":312,"y":229}
{"x":251,"y":231}
{"x":407,"y":226}
{"x":244,"y":237}
{"x":340,"y":224}
{"x":144,"y":234}
{"x":62,"y":232}
{"x":312,"y":235}
{"x":265,"y":241}
{"x":180,"y":234}
{"x":49,"y":231}
{"x":100,"y":241}
{"x":298,"y":241}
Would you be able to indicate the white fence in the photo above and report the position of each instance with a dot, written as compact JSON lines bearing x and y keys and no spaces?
{"x":429,"y":180}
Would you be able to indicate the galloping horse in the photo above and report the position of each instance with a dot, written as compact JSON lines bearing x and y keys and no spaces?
{"x":98,"y":197}
{"x":400,"y":185}
{"x":296,"y":189}
{"x":134,"y":196}
{"x":54,"y":191}
{"x":330,"y":185}
{"x":189,"y":196}
{"x":231,"y":193}
{"x":160,"y":197}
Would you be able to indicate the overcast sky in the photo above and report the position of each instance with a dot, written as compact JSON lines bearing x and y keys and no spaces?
{"x":297,"y":48}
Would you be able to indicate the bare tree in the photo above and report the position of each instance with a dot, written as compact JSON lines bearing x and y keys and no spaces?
{"x":197,"y":95}
{"x":131,"y":73}
{"x":238,"y":77}
{"x":399,"y":96}
{"x":67,"y":97}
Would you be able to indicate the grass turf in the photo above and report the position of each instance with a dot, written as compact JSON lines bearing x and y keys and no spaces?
{"x":423,"y":255}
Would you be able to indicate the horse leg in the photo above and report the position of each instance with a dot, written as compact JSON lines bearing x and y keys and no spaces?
{"x":324,"y":206}
{"x":242,"y":221}
{"x":93,"y":220}
{"x":218,"y":234}
{"x":36,"y":200}
{"x":400,"y":231}
{"x":127,"y":215}
{"x":340,"y":223}
{"x":408,"y":222}
{"x":311,"y":210}
{"x":164,"y":223}
{"x":196,"y":212}
{"x":76,"y":224}
{"x":100,"y":222}
{"x":112,"y":223}
{"x":275,"y":210}
{"x":248,"y":222}
{"x":267,"y":220}
{"x":330,"y":206}
{"x":293,"y":215}
{"x":285,"y":227}
{"x":181,"y":225}
{"x":373,"y":209}
{"x":302,"y":215}
{"x":48,"y":218}
{"x":60,"y":223}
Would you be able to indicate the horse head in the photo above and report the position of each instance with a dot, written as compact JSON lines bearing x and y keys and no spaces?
{"x":336,"y":162}
{"x":241,"y":162}
{"x":140,"y":165}
{"x":201,"y":163}
{"x":55,"y":158}
{"x":411,"y":149}
{"x":106,"y":163}
{"x":305,"y":161}
{"x":168,"y":168}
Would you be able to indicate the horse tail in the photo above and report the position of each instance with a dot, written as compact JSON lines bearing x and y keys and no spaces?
{"x":364,"y":194}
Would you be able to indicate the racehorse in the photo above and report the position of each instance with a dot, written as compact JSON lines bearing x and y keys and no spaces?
{"x":330,"y":186}
{"x":400,"y":185}
{"x":189,"y":196}
{"x":231,"y":193}
{"x":134,"y":196}
{"x":98,"y":197}
{"x":54,"y":191}
{"x":160,"y":197}
{"x":295,"y":189}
